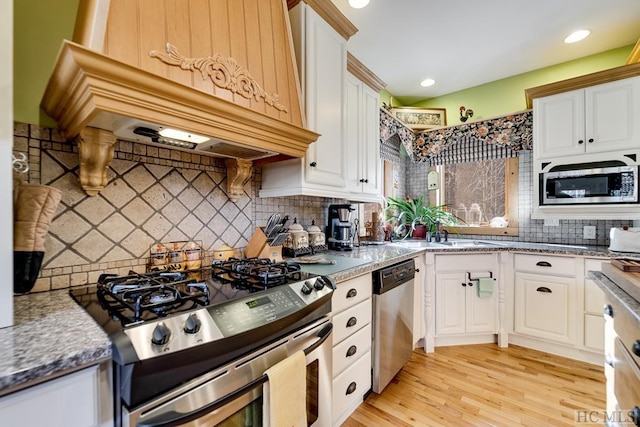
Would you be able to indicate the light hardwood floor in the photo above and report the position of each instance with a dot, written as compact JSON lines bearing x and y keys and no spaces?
{"x":484,"y":385}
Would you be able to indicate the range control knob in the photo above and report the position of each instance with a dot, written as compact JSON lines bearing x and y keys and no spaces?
{"x":306,"y":287}
{"x":319,"y":284}
{"x":161,"y":334}
{"x":192,"y":324}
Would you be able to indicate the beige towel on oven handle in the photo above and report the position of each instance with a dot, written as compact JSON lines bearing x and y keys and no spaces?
{"x":285,"y":394}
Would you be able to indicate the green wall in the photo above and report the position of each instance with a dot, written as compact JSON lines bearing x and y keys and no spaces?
{"x":507,"y":95}
{"x":39,"y":26}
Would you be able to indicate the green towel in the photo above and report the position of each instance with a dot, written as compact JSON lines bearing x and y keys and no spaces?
{"x":485,"y":287}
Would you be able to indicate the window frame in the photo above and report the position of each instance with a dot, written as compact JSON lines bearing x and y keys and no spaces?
{"x":511,"y":204}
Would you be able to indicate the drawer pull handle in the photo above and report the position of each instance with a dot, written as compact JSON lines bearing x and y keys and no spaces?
{"x":608,"y":310}
{"x":544,"y":289}
{"x":352,"y":350}
{"x":543,"y":264}
{"x":635,"y":415}
{"x":352,"y":387}
{"x":352,"y":293}
{"x":636,"y":348}
{"x":351,"y":322}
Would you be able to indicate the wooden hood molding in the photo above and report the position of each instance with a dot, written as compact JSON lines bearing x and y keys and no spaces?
{"x":243,"y":94}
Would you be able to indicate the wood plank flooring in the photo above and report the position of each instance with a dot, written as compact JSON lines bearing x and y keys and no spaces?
{"x":484,"y":385}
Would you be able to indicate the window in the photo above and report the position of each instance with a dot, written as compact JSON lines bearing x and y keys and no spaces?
{"x":491,"y":184}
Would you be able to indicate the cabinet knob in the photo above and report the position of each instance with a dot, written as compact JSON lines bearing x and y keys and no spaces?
{"x":352,"y":387}
{"x":544,"y":290}
{"x":580,"y":142}
{"x":351,"y":322}
{"x":470,"y":283}
{"x":366,"y":181}
{"x":352,"y":293}
{"x":464,"y":284}
{"x":313,"y":164}
{"x":608,"y":310}
{"x":636,"y":348}
{"x":352,"y":350}
{"x":362,"y":180}
{"x":417,"y":270}
{"x":590,"y":140}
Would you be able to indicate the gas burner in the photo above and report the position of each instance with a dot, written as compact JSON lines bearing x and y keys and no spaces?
{"x":139,"y":297}
{"x":254,"y":273}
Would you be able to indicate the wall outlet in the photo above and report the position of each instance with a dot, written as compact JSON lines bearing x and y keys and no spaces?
{"x":589,"y":232}
{"x":551,"y":222}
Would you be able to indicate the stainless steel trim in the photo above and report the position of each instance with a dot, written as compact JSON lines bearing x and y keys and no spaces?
{"x":223,"y":381}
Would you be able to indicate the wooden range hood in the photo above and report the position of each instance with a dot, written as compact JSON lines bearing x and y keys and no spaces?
{"x":218,"y":68}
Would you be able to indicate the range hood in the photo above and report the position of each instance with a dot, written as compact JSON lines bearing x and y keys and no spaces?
{"x":235,"y":83}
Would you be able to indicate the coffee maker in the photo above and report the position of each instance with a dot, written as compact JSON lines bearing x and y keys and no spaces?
{"x":340,"y":229}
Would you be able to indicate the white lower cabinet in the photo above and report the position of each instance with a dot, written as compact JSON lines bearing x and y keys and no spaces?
{"x":461,"y":315}
{"x":545,"y":307}
{"x":79,"y":399}
{"x":351,"y":317}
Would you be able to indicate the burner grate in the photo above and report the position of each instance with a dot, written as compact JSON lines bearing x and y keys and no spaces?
{"x":254,"y":274}
{"x":139,"y":297}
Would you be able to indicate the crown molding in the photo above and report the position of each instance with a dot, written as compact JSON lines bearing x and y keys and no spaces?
{"x":365,"y":75}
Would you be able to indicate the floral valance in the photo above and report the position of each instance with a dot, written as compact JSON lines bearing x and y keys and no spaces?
{"x":390,"y":126}
{"x":513,"y":131}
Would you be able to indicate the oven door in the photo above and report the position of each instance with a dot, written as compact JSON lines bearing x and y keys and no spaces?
{"x":232,"y":395}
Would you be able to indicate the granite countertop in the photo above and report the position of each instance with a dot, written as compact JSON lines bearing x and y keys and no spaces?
{"x":52,"y":335}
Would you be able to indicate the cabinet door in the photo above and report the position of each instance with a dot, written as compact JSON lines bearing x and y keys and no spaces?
{"x":418,"y":301}
{"x":480,"y":313}
{"x":558,"y":125}
{"x":612,"y":116}
{"x":354,"y":129}
{"x":450,"y":303}
{"x":372,"y":167}
{"x":325,"y":76}
{"x":545,"y":307}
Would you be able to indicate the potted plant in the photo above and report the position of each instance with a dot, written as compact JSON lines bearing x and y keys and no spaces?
{"x":414,"y":218}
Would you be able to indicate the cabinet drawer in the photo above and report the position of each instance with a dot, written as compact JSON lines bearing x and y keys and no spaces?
{"x":350,"y":386}
{"x":626,"y":383}
{"x":544,"y":264}
{"x":594,"y":332}
{"x":351,"y":292}
{"x":482,"y":262}
{"x":626,"y":327}
{"x":351,"y":320}
{"x":349,"y":350}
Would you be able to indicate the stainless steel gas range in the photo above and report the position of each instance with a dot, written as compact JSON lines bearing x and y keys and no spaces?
{"x":192,"y":350}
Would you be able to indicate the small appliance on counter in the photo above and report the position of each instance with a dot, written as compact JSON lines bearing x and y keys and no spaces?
{"x":340,"y":229}
{"x":298,"y":241}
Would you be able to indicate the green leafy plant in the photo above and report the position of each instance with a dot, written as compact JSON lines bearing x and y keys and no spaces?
{"x":404,"y":215}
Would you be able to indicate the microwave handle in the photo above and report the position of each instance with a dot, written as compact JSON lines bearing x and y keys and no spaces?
{"x":173,"y":418}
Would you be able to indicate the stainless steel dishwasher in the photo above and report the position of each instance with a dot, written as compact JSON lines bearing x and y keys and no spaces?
{"x":392,"y":321}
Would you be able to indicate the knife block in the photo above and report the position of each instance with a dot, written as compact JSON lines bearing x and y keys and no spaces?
{"x":258,"y":247}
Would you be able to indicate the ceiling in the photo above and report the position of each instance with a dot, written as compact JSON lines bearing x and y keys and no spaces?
{"x":465,"y":43}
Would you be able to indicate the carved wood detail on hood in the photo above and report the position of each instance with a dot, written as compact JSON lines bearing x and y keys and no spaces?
{"x":108,"y":79}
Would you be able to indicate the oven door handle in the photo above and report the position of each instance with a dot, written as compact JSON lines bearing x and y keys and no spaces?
{"x":172,"y":418}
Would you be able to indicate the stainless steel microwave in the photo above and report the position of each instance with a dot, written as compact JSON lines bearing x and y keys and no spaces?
{"x":594,"y":186}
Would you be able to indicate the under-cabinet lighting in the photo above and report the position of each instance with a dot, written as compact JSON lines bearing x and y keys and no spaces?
{"x":576,"y":36}
{"x":183,"y":136}
{"x":427,"y":82}
{"x":358,"y":4}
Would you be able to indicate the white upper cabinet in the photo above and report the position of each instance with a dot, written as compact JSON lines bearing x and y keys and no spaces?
{"x":362,"y":142}
{"x":600,"y":118}
{"x":321,"y":55}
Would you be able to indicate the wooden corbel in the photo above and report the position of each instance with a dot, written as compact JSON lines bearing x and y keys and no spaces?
{"x":95,"y":149}
{"x":238,"y":173}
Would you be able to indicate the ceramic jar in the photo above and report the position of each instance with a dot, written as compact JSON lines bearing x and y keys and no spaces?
{"x":299,"y":237}
{"x":223,"y":253}
{"x":316,"y":236}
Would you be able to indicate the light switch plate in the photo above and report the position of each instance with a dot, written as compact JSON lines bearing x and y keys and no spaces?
{"x":433,"y":179}
{"x":589,"y":232}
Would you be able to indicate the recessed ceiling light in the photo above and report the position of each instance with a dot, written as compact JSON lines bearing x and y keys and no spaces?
{"x":576,"y":36}
{"x":358,"y":4}
{"x":183,"y":136}
{"x":427,"y":82}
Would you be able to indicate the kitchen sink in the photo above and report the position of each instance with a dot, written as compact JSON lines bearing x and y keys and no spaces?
{"x":414,"y":243}
{"x":468,"y":243}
